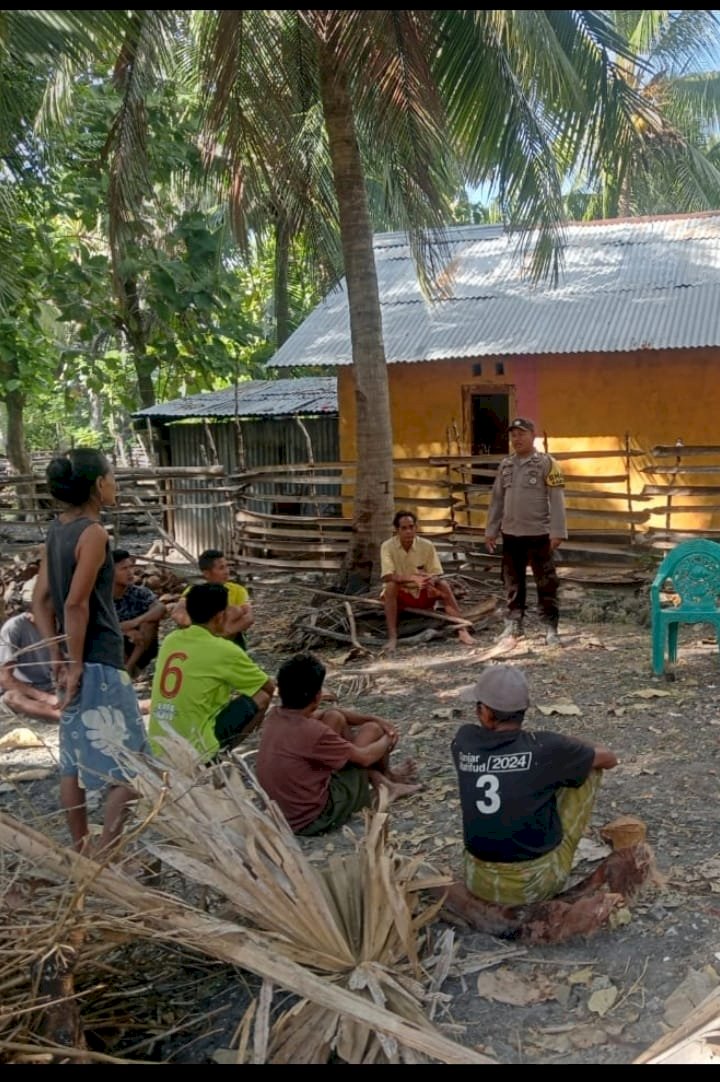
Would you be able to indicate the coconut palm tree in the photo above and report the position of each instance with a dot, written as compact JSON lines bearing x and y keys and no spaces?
{"x":492,"y":90}
{"x":674,"y":166}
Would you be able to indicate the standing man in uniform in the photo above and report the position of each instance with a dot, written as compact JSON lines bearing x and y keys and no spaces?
{"x":410,"y":568}
{"x":527,"y":506}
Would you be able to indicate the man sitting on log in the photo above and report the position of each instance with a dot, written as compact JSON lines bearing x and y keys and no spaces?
{"x":239,"y":615}
{"x":410,"y":570}
{"x":205,"y":688}
{"x":526,"y":800}
{"x":526,"y":797}
{"x":319,"y":765}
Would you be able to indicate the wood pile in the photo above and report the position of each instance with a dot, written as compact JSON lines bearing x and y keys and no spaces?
{"x":359,"y":621}
{"x":349,"y":940}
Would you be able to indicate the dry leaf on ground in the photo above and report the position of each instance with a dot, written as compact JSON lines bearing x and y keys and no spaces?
{"x":651,"y":693}
{"x":507,"y":987}
{"x":20,"y":738}
{"x":601,"y":1001}
{"x":567,"y":709}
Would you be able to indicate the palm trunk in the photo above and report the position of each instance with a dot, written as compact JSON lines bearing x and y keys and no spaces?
{"x":137,"y":340}
{"x":374,"y":448}
{"x":16,"y":449}
{"x":282,"y":291}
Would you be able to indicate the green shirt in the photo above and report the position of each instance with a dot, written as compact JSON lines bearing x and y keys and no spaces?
{"x":196,"y":675}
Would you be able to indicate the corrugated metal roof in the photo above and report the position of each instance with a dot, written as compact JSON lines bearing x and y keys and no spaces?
{"x":625,"y":285}
{"x":306,"y":395}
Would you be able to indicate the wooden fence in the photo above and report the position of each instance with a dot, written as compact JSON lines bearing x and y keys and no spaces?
{"x":625,"y":506}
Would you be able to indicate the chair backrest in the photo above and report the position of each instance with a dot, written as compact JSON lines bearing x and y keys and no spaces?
{"x":694,"y":569}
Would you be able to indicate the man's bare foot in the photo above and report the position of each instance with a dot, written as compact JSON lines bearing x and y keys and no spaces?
{"x":390,"y":646}
{"x":397,"y":789}
{"x":405,"y":771}
{"x":465,"y":637}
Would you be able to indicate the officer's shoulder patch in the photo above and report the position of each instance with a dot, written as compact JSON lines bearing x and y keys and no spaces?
{"x":554,"y":478}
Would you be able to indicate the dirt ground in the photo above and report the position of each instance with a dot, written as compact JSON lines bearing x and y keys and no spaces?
{"x":598,"y":1000}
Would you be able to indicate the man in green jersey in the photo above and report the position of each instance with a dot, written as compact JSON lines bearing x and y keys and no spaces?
{"x":205,"y":687}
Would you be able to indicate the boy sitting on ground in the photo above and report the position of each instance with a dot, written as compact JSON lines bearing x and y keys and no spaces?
{"x":205,"y":688}
{"x":319,"y":765}
{"x":139,"y":613}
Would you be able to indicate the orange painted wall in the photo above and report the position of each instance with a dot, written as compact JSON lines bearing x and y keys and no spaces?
{"x":656,"y":396}
{"x":588,"y":401}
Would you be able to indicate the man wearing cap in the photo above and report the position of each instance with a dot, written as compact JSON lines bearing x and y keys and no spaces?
{"x":527,"y":507}
{"x":526,"y":797}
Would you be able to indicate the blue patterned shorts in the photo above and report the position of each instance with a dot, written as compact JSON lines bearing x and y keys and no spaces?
{"x":103,"y":718}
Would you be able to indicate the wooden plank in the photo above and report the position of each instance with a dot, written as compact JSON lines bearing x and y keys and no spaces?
{"x":321,"y":498}
{"x":609,"y":514}
{"x":673,"y":470}
{"x":303,"y":550}
{"x":561,"y":456}
{"x":335,"y":521}
{"x":664,"y":449}
{"x":686,"y":509}
{"x":249,"y":532}
{"x":681,"y":490}
{"x":288,"y":565}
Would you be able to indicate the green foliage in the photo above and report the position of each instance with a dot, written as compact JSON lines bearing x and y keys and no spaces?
{"x":205,"y":315}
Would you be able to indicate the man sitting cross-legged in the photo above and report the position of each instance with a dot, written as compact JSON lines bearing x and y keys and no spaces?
{"x":319,"y":765}
{"x":206,"y":688}
{"x":26,"y":680}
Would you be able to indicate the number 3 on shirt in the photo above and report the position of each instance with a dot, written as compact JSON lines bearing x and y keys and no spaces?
{"x":491,"y":801}
{"x":172,"y":676}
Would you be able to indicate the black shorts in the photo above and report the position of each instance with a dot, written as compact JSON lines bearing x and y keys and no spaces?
{"x":232,"y":721}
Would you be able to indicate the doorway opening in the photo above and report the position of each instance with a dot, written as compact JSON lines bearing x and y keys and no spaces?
{"x":488,"y":417}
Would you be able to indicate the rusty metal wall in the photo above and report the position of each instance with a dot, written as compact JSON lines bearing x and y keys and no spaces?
{"x":200,"y":522}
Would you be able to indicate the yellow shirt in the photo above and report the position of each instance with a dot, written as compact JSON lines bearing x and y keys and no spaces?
{"x":237,"y":594}
{"x":421,"y":556}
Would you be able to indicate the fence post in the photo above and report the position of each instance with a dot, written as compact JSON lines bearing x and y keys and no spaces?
{"x":628,"y":487}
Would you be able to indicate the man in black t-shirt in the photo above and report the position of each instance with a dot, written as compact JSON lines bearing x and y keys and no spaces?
{"x":526,"y":797}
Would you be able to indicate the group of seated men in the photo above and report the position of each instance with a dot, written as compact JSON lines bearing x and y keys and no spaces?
{"x":526,"y":797}
{"x":26,"y":678}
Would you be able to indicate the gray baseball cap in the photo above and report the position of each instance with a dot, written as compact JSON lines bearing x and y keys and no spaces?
{"x":501,"y":687}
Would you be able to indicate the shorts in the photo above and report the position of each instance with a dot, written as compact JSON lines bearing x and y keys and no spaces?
{"x":103,"y":719}
{"x":234,"y":718}
{"x":406,"y":600}
{"x":349,"y":791}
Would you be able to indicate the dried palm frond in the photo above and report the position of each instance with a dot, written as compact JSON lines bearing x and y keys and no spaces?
{"x":346,"y":939}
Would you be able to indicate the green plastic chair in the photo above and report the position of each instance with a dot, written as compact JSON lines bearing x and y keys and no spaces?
{"x":694,"y":569}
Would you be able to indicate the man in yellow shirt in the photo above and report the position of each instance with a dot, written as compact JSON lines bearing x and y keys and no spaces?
{"x":239,"y":616}
{"x":205,"y":688}
{"x":409,"y":568}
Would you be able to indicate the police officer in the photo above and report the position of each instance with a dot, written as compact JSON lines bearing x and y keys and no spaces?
{"x":527,"y":506}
